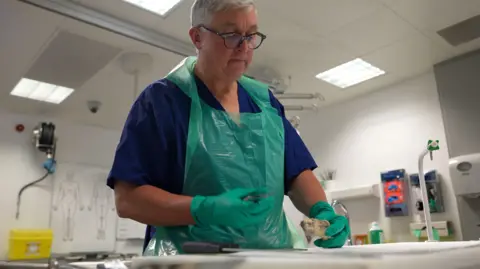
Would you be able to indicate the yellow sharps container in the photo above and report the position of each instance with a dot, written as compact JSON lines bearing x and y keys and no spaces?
{"x":27,"y":244}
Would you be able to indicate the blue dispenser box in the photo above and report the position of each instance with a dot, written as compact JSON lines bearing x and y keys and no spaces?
{"x":395,"y":193}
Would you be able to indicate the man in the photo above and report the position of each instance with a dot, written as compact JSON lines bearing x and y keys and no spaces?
{"x":208,"y":155}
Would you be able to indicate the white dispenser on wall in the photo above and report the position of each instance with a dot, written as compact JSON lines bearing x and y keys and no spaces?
{"x":465,"y":174}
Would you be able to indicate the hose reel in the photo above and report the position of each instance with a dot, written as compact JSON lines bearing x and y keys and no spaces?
{"x":44,"y":138}
{"x":45,"y":141}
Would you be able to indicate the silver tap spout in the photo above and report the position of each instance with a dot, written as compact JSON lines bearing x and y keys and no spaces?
{"x":337,"y":204}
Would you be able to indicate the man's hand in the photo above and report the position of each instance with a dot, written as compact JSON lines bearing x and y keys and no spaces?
{"x":231,"y":208}
{"x":338,"y":230}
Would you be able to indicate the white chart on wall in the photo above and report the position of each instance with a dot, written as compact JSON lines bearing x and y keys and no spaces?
{"x":129,"y":229}
{"x":83,"y":215}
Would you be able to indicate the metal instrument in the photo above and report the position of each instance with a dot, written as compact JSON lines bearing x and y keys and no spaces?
{"x":61,"y":263}
{"x":214,"y":248}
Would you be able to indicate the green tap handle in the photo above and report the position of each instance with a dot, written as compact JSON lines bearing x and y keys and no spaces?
{"x":433,"y":147}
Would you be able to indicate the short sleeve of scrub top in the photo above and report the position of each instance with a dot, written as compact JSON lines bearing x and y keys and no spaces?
{"x":152,"y":146}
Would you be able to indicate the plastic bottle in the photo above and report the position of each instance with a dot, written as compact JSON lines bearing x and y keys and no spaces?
{"x":375,"y":234}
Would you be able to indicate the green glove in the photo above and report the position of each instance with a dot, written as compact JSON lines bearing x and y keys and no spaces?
{"x":231,"y":208}
{"x":338,"y":230}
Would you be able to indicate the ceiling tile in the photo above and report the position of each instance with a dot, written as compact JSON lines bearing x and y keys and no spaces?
{"x":311,"y":58}
{"x":434,"y":15}
{"x":389,"y":3}
{"x":279,"y":30}
{"x":410,"y":56}
{"x":55,"y":66}
{"x":282,"y":36}
{"x":25,"y":31}
{"x":100,"y":35}
{"x":320,"y":17}
{"x":371,"y":32}
{"x":123,"y":10}
{"x":175,"y":24}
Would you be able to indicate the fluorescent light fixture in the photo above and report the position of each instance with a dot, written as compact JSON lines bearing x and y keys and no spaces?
{"x":350,"y":73}
{"x":160,"y":7}
{"x":41,"y":91}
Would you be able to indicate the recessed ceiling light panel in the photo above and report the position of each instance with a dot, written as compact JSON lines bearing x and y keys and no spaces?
{"x":160,"y":7}
{"x":41,"y":91}
{"x":350,"y":73}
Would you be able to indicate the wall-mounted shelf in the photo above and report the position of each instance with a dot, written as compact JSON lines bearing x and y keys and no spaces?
{"x":365,"y":191}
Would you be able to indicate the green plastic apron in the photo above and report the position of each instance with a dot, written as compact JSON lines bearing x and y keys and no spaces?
{"x":223,"y":155}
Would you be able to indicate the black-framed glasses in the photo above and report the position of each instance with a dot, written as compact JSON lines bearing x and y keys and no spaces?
{"x":233,"y":40}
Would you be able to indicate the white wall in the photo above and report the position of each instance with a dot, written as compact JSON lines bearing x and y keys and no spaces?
{"x":382,"y":131}
{"x":21,"y":164}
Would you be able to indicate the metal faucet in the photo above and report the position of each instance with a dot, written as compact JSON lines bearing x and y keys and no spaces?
{"x":335,"y":204}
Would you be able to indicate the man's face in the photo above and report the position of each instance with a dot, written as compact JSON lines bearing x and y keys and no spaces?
{"x":227,"y":61}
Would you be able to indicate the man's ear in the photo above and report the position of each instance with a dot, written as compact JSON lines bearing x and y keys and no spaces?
{"x":195,"y":37}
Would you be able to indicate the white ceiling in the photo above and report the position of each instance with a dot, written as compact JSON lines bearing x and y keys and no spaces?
{"x":398,"y":36}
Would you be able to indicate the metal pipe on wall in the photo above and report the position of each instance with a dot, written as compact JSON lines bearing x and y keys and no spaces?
{"x":300,"y":96}
{"x":313,"y":107}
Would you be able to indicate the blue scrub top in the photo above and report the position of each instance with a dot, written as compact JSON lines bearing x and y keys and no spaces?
{"x":152,"y":146}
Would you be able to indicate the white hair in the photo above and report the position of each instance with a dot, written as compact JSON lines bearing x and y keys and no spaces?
{"x":203,"y":10}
